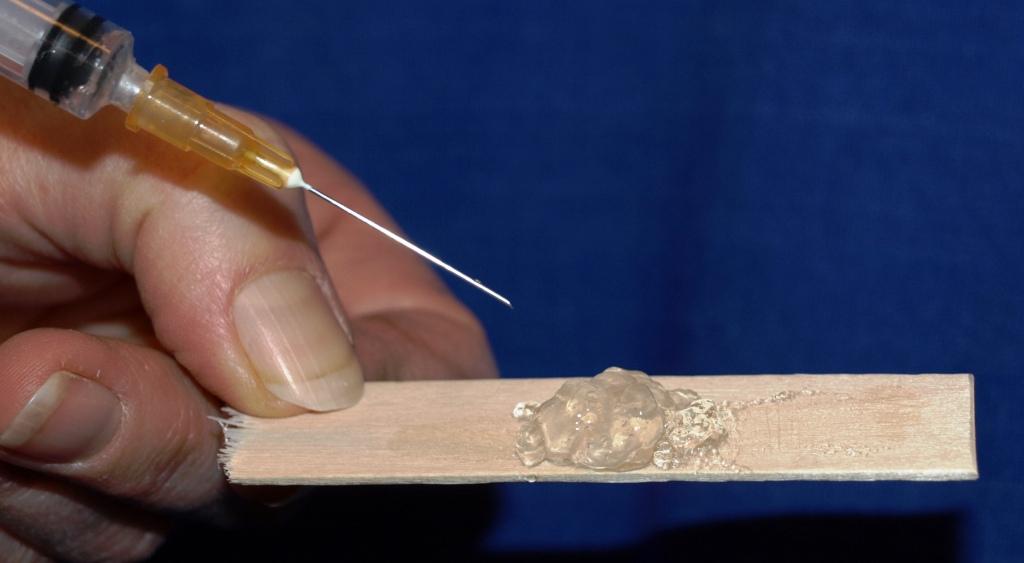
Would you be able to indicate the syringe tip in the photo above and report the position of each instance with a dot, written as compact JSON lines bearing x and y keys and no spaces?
{"x":295,"y":180}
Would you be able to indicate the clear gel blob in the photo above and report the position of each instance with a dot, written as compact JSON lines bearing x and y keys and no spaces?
{"x":622,"y":420}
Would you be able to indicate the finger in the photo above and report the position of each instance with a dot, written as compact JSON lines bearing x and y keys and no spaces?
{"x":53,"y":518}
{"x":14,"y":550}
{"x":114,"y":312}
{"x":121,"y":419}
{"x":226,"y":269}
{"x":406,"y":324}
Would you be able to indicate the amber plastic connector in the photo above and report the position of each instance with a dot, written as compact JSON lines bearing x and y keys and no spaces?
{"x":192,"y":123}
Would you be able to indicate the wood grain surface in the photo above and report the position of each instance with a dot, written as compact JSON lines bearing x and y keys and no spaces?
{"x":833,"y":427}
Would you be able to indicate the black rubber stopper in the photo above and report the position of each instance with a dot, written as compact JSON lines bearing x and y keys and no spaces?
{"x":67,"y":56}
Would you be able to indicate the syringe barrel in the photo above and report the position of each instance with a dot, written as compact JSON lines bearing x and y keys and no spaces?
{"x":23,"y":26}
{"x":81,"y":62}
{"x":63,"y":52}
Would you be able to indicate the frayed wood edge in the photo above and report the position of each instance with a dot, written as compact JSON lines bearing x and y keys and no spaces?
{"x":234,"y":425}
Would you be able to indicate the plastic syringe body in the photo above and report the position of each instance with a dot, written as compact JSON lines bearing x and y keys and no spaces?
{"x":82,"y":62}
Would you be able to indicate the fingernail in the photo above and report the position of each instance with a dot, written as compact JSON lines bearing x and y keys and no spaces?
{"x":296,"y":343}
{"x":68,"y":418}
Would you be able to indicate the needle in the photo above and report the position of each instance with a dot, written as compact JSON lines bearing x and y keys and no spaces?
{"x":407,"y":244}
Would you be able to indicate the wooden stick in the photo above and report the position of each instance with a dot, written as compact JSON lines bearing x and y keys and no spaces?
{"x":832,"y":427}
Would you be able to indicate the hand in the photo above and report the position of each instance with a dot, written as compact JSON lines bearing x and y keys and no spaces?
{"x":141,"y":289}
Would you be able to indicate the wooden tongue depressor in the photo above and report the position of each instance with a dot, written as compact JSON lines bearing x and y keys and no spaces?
{"x":829,"y":427}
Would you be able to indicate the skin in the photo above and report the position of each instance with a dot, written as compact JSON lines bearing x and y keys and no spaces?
{"x":119,"y":261}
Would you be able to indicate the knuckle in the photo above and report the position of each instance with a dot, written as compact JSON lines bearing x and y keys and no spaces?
{"x":17,"y":487}
{"x":110,"y":542}
{"x":180,"y":474}
{"x":69,"y":524}
{"x":14,"y":551}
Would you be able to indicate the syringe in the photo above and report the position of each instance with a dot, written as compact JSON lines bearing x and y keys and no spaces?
{"x":82,"y":62}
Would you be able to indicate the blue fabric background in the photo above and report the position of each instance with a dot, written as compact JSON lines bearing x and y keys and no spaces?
{"x":681,"y":187}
